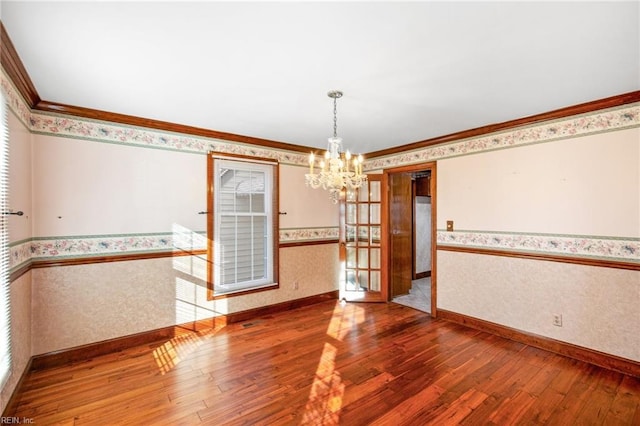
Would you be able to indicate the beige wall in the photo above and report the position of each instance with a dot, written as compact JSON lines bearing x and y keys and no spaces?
{"x":586,"y":186}
{"x":87,"y":188}
{"x":90,"y":188}
{"x":599,"y":306}
{"x":304,"y":207}
{"x":75,"y":186}
{"x":77,"y":305}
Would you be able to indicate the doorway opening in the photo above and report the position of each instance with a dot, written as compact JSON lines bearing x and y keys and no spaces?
{"x":411,"y":233}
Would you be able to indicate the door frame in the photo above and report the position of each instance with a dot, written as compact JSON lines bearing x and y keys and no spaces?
{"x":386,"y":223}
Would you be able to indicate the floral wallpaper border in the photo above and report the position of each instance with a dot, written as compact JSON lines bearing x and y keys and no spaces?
{"x":308,"y":234}
{"x":606,"y":248}
{"x":101,"y":245}
{"x":52,"y":248}
{"x":14,"y":100}
{"x":19,"y":254}
{"x":617,"y":118}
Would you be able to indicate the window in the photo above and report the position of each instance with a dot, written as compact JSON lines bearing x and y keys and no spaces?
{"x":244,"y":223}
{"x":5,"y":317}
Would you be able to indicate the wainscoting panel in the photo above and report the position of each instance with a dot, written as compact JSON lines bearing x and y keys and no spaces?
{"x":599,"y":306}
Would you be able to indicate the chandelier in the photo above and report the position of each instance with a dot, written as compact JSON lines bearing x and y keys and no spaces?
{"x":339,"y":169}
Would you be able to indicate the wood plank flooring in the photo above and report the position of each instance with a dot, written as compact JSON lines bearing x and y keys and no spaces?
{"x":353,"y":364}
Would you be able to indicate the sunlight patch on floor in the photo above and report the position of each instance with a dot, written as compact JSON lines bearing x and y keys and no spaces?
{"x":179,"y":348}
{"x":327,"y":390}
{"x":169,"y":355}
{"x":344,"y":318}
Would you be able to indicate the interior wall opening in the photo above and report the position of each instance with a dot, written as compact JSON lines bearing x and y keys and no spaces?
{"x":412,"y":237}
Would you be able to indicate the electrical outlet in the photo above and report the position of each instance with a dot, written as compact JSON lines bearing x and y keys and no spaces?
{"x":557,"y":320}
{"x":295,"y":285}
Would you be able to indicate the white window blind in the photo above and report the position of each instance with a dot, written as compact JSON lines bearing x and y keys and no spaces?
{"x":5,"y":317}
{"x":243,"y":225}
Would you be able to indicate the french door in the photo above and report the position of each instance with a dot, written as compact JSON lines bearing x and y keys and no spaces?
{"x":360,"y":246}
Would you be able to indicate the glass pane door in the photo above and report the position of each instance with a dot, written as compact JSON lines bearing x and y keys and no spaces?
{"x":360,"y":242}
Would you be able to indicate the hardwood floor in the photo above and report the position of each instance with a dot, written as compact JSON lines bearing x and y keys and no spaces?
{"x":353,"y":364}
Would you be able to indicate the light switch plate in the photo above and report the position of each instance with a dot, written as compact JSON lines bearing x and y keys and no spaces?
{"x":449,"y":225}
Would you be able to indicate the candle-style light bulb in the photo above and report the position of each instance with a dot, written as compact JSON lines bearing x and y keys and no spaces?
{"x":311,"y":161}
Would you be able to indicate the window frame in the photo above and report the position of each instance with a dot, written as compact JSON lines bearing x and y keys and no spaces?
{"x":244,"y":162}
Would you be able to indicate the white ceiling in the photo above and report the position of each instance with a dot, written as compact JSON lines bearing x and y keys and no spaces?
{"x":409,"y":71}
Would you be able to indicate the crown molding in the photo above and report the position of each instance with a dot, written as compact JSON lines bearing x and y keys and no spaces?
{"x":94,"y":114}
{"x":584,"y":108}
{"x":15,"y":69}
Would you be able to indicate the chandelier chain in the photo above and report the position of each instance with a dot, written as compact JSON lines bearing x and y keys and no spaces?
{"x":335,"y":118}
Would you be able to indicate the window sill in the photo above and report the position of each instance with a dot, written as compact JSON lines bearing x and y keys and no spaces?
{"x":217,"y":294}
